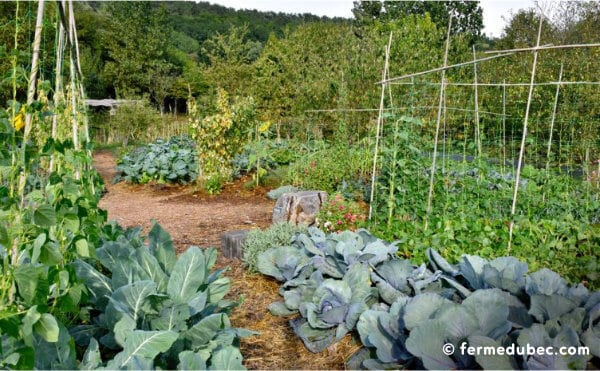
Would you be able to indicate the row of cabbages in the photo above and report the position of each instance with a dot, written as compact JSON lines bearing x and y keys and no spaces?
{"x":405,"y":315}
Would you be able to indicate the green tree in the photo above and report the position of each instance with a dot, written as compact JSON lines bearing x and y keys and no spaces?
{"x":468,"y":15}
{"x":230,"y":56}
{"x":137,"y":46}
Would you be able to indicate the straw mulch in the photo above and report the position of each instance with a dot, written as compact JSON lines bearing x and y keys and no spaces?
{"x":196,"y":219}
{"x":277,"y":347}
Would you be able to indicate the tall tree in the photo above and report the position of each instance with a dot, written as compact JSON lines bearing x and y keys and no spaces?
{"x":137,"y":44}
{"x":230,"y":58}
{"x":468,"y":15}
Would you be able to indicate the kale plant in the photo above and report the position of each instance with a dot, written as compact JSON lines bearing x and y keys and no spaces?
{"x":155,"y":310}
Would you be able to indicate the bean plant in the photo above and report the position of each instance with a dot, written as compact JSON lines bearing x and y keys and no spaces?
{"x":556,"y":224}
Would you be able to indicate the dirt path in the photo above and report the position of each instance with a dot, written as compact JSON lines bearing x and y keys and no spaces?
{"x":194,"y":219}
{"x":189,"y":218}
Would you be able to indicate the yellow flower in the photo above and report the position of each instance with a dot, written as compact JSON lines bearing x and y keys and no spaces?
{"x":264,"y":127}
{"x":18,"y":121}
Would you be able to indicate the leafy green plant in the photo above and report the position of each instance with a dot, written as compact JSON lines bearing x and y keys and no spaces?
{"x":257,"y":241}
{"x":555,"y":225}
{"x":173,"y":161}
{"x":263,"y":153}
{"x":220,"y":136}
{"x":326,"y":168}
{"x":404,"y":313}
{"x":333,"y":308}
{"x":326,"y":280}
{"x":157,"y":310}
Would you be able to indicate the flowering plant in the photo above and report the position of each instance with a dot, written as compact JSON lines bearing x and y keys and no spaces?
{"x":339,"y":214}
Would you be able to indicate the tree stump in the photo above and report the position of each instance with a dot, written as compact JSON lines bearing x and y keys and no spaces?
{"x":299,"y":207}
{"x":232,"y":244}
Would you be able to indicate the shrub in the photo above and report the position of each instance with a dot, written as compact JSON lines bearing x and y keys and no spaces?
{"x":220,"y":136}
{"x":274,"y":194}
{"x":258,"y":241}
{"x":133,"y":122}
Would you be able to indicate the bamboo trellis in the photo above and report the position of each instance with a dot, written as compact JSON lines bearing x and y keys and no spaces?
{"x":66,"y":38}
{"x":475,"y":84}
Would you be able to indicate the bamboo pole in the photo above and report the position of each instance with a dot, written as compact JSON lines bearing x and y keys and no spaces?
{"x":58,"y":85}
{"x":437,"y":125}
{"x":503,"y":126}
{"x":549,"y":153}
{"x":74,"y":123}
{"x":523,"y":141}
{"x":396,"y":109}
{"x":545,"y":47}
{"x":86,"y":130}
{"x":477,"y":128}
{"x":500,"y":84}
{"x":14,"y":60}
{"x":443,"y":68}
{"x":8,"y":289}
{"x":379,"y":125}
{"x":35,"y":57}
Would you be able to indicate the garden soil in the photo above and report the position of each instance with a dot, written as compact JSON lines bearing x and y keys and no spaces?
{"x":194,"y":218}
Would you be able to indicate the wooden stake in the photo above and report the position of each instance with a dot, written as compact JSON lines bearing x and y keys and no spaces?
{"x":379,"y":125}
{"x":513,"y":209}
{"x":545,"y":47}
{"x":503,"y":126}
{"x":37,"y":40}
{"x":86,"y":130}
{"x":477,"y":129}
{"x":549,"y":153}
{"x":438,"y":69}
{"x":437,"y":125}
{"x":58,"y":86}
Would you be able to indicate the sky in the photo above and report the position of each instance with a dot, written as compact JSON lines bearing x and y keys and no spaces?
{"x":493,"y":10}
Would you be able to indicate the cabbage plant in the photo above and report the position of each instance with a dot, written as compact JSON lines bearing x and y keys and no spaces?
{"x":155,"y":310}
{"x":334,"y":308}
{"x":495,"y":303}
{"x":172,"y":160}
{"x":327,"y":280}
